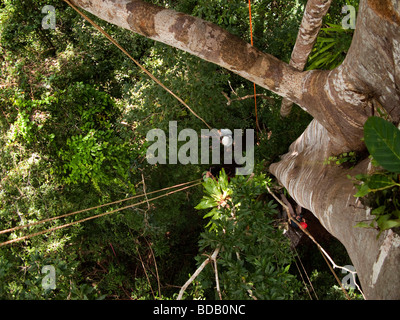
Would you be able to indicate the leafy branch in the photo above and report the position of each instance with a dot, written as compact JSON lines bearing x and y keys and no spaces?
{"x":381,"y":189}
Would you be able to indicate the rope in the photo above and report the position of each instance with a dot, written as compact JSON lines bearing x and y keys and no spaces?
{"x":136,"y":62}
{"x":95,"y":216}
{"x":255,"y":91}
{"x":92,"y":208}
{"x":305,"y":271}
{"x":323,"y":252}
{"x":301,"y":275}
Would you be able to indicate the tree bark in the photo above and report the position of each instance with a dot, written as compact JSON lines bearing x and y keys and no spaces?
{"x":310,"y":26}
{"x":372,"y":67}
{"x":327,"y":99}
{"x":339,"y":100}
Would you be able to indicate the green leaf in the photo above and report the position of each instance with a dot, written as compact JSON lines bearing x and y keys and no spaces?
{"x":396,"y":213}
{"x":362,"y":191}
{"x":382,"y":139}
{"x":388,"y":224}
{"x":363,"y":224}
{"x":211,"y":187}
{"x":379,"y":210}
{"x":223,"y":180}
{"x":206,"y":203}
{"x":213,"y":213}
{"x":380,"y":181}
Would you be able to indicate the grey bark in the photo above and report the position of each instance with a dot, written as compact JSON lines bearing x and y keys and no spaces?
{"x":309,"y":29}
{"x":339,"y":100}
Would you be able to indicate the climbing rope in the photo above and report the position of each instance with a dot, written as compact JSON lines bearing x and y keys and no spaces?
{"x":255,"y":91}
{"x":187,"y":186}
{"x":325,"y":255}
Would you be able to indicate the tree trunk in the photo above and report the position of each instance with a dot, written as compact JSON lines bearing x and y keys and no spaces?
{"x":310,"y":26}
{"x":372,"y":66}
{"x":339,"y":100}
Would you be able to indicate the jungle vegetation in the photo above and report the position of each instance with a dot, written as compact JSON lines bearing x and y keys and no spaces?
{"x":74,"y":116}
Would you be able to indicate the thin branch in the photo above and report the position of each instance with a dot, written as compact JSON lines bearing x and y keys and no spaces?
{"x":144,"y":268}
{"x":216,"y":277}
{"x":307,"y":36}
{"x":155,"y":264}
{"x":197,"y":272}
{"x":148,"y":204}
{"x":263,"y":96}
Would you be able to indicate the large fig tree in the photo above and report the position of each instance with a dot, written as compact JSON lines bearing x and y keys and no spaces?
{"x":340,"y":101}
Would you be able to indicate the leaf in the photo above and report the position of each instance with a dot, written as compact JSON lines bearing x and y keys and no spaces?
{"x":362,"y":191}
{"x":388,"y":224}
{"x":380,"y":181}
{"x":363,"y":224}
{"x":382,"y":139}
{"x":206,"y":203}
{"x":223,"y":180}
{"x":213,"y":213}
{"x":396,"y":213}
{"x":379,"y":210}
{"x":211,"y":187}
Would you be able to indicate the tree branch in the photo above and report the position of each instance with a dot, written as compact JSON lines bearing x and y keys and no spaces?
{"x":202,"y":39}
{"x":213,"y":257}
{"x":308,"y":33}
{"x":250,"y":96}
{"x":328,"y":96}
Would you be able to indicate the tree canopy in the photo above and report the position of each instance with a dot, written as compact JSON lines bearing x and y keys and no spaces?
{"x":75,"y":115}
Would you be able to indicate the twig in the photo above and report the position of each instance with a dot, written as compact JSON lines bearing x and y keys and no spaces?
{"x":263,"y":96}
{"x":197,"y":272}
{"x":148,"y":204}
{"x":216,"y":278}
{"x":155,"y":264}
{"x":144,"y":268}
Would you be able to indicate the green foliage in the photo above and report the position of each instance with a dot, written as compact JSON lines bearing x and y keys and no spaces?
{"x":382,"y":139}
{"x":75,"y":113}
{"x":97,"y":153}
{"x":380,"y":190}
{"x":334,"y":41}
{"x":255,"y":257}
{"x":218,"y":195}
{"x":331,"y":47}
{"x":346,"y":157}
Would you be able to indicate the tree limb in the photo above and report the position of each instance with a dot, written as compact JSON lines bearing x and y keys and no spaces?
{"x":332,"y":100}
{"x":202,"y":39}
{"x":250,"y":96}
{"x":308,"y":33}
{"x":213,"y":257}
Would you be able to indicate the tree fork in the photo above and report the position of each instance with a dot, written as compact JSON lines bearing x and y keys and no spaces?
{"x":371,"y":67}
{"x":310,"y":26}
{"x":339,"y":100}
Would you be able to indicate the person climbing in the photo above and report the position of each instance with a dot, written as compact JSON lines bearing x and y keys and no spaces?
{"x":299,"y":217}
{"x":295,"y":215}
